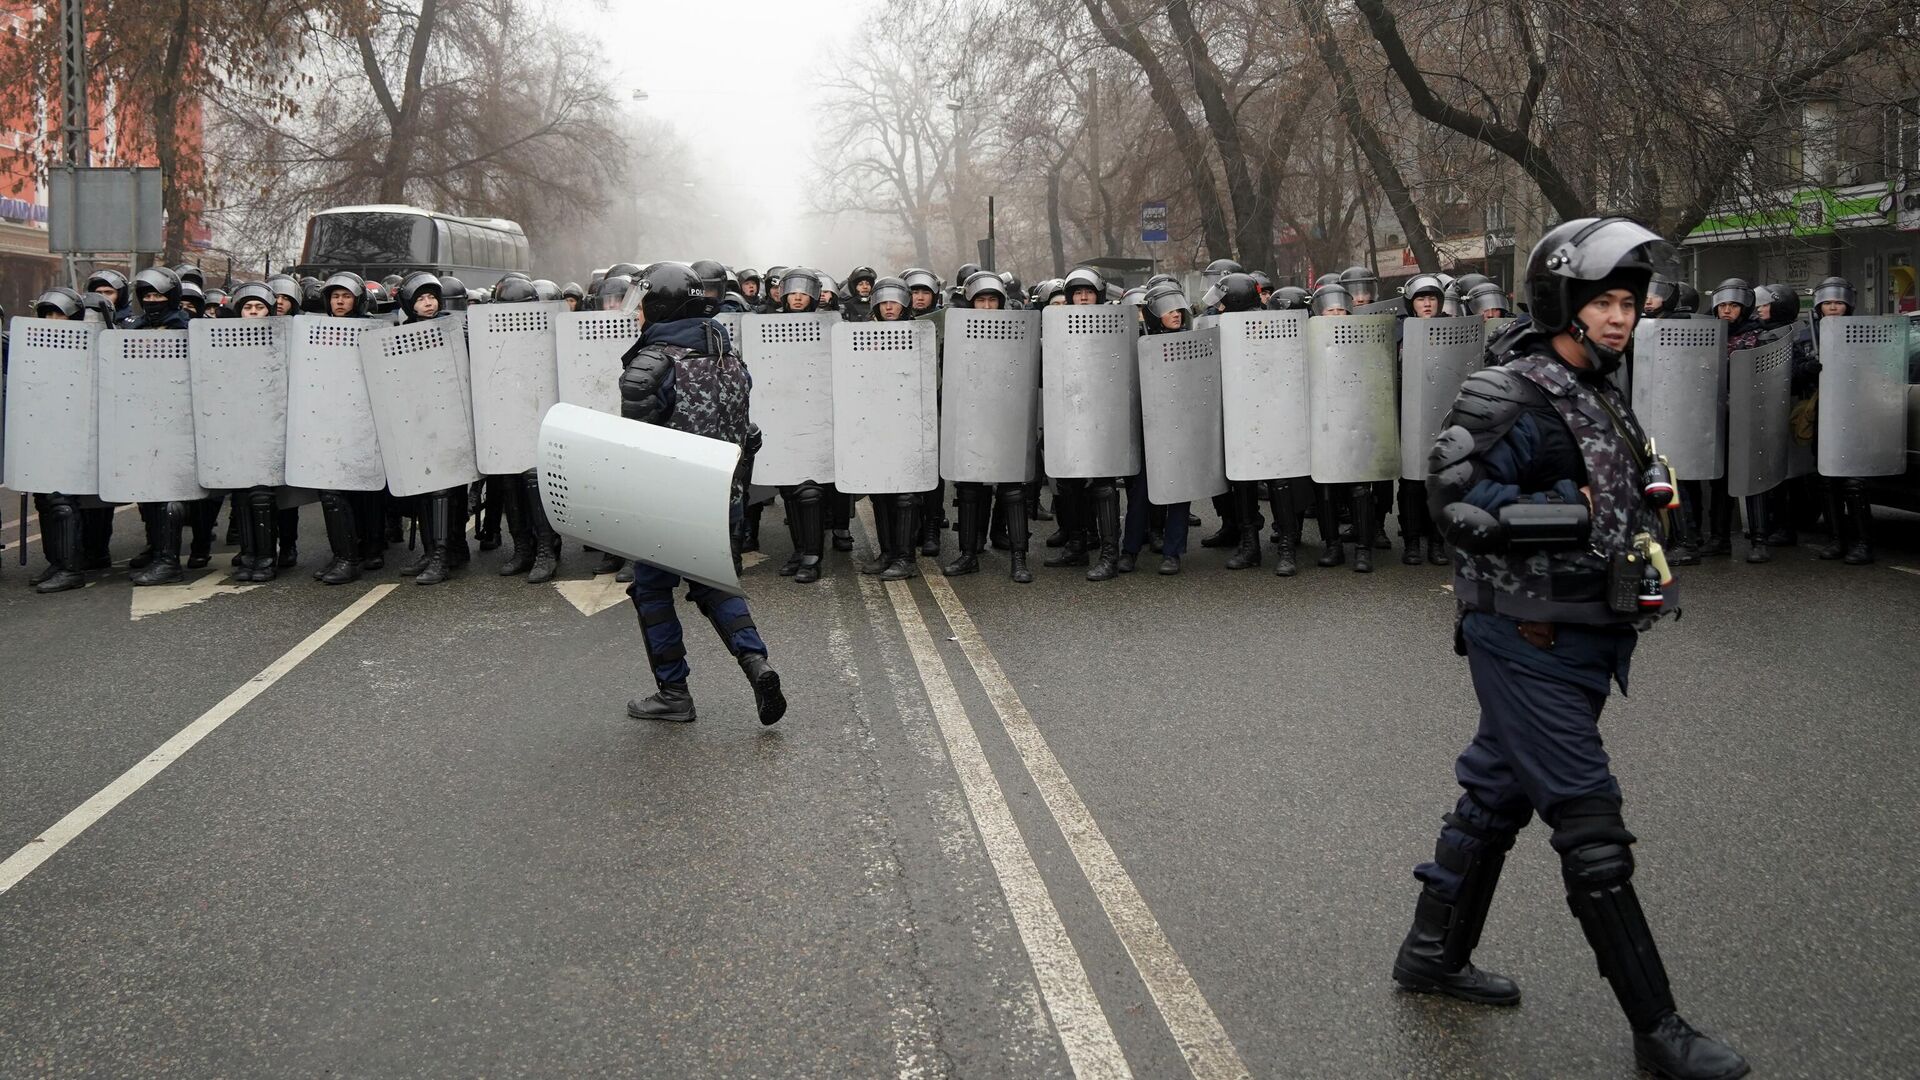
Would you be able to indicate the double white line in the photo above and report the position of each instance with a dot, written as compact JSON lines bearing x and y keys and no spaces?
{"x":1092,"y":1050}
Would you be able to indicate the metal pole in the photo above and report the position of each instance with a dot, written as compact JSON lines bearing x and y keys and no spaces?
{"x":993,"y":248}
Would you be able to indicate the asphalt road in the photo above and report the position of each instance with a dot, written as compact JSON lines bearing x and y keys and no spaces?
{"x":1161,"y":826}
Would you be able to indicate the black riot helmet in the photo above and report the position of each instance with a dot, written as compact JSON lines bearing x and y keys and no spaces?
{"x":572,"y":291}
{"x":59,"y":299}
{"x":1162,"y":279}
{"x":859,"y":274}
{"x":1582,"y":258}
{"x":312,"y":297}
{"x":1159,"y":300}
{"x":1220,"y":268}
{"x":1686,"y":299}
{"x":894,"y":289}
{"x":1326,"y":279}
{"x":1783,"y":304}
{"x":1665,"y":289}
{"x":1016,"y":292}
{"x":966,"y":271}
{"x":1083,"y":278}
{"x":1261,"y":279}
{"x":1289,"y":298}
{"x":354,"y":286}
{"x":748,"y":274}
{"x":670,"y":292}
{"x":282,"y":285}
{"x":379,"y":298}
{"x":1044,"y":292}
{"x":1466,"y":283}
{"x":984,"y":283}
{"x":545,"y":290}
{"x":190,"y":272}
{"x":613,"y":292}
{"x":420,"y":281}
{"x":1733,"y":291}
{"x":515,"y":290}
{"x":392,"y":283}
{"x":800,"y":281}
{"x":1232,"y":292}
{"x":1423,"y":285}
{"x":112,"y":279}
{"x":157,"y":279}
{"x":1362,"y":284}
{"x":1484,"y":297}
{"x":624,"y":269}
{"x":712,"y":275}
{"x":453,"y":293}
{"x":1326,"y":298}
{"x":218,"y":300}
{"x":98,"y":308}
{"x":193,"y":298}
{"x":251,"y":290}
{"x":1833,"y":288}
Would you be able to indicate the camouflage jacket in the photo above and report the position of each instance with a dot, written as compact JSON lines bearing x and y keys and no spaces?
{"x":687,"y":375}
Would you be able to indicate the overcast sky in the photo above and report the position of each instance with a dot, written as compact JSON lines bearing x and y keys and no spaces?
{"x":711,"y":71}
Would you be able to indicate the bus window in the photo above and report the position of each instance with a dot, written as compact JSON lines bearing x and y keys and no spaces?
{"x":463,"y":253}
{"x":352,"y":239}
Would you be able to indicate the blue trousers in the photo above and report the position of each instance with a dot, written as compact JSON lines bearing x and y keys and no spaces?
{"x":652,"y":593}
{"x":1538,"y":744}
{"x":1134,"y":535}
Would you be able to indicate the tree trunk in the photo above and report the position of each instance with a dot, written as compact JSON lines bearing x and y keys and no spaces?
{"x":1252,"y":208}
{"x":1056,"y":240}
{"x":166,"y":133}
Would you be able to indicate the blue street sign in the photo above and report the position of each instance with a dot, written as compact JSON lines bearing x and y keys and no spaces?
{"x":1153,"y":223}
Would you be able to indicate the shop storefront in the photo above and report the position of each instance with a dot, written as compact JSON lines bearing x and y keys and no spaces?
{"x":1866,"y":234}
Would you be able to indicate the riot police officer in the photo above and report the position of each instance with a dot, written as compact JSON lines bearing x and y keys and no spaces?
{"x":1545,"y":484}
{"x":443,"y":514}
{"x":1073,"y":498}
{"x":1239,"y":508}
{"x":1166,"y":310}
{"x":355,"y":520}
{"x":1848,"y":509}
{"x":805,"y":502}
{"x":158,"y":292}
{"x":987,"y":291}
{"x":682,"y":373}
{"x":536,"y":547}
{"x":923,"y":292}
{"x":896,"y":516}
{"x":268,"y":533}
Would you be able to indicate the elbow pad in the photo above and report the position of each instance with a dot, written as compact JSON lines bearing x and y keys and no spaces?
{"x":1546,"y":526}
{"x":1450,"y":474}
{"x":640,"y":389}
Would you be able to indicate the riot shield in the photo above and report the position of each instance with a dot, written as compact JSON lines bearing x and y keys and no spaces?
{"x":1863,"y":395}
{"x":886,"y":407}
{"x":146,"y":417}
{"x":1393,"y":305}
{"x":1350,"y":375}
{"x":1180,"y":419}
{"x":1436,"y":356}
{"x":1263,"y":394}
{"x":417,"y":382}
{"x":52,"y":407}
{"x":640,"y":491}
{"x":733,"y":322}
{"x":240,"y":401}
{"x":989,"y":410}
{"x":512,"y":372}
{"x":1757,"y":408}
{"x":1679,"y":374}
{"x":331,"y":441}
{"x":590,"y":345}
{"x":1090,"y":397}
{"x":791,"y":360}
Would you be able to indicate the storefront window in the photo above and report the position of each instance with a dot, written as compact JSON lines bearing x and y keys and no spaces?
{"x":1900,"y":284}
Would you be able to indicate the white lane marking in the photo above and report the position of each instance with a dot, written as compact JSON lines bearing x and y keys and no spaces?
{"x":1209,"y":1052}
{"x":1092,"y":1050}
{"x":595,"y":596}
{"x":1908,"y":569}
{"x":42,"y":847}
{"x":159,"y":599}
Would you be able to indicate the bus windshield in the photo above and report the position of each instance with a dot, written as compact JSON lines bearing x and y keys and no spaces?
{"x":370,"y":239}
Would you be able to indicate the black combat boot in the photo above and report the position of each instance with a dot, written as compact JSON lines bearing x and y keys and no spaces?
{"x":202,"y":522}
{"x":1716,"y":517}
{"x":751,"y":540}
{"x":1106,"y":518}
{"x":1860,"y":512}
{"x":1364,"y":524}
{"x":1246,"y":508}
{"x":236,"y":511}
{"x":905,"y":512}
{"x":972,"y":499}
{"x":1436,"y":957}
{"x":512,"y":497}
{"x":883,"y":536}
{"x":1286,"y":528}
{"x":670,"y":703}
{"x":261,"y":532}
{"x":1684,"y":524}
{"x":546,"y":552}
{"x":1331,"y":553}
{"x":164,"y":534}
{"x":1231,"y":524}
{"x":1837,"y":523}
{"x":840,"y":518}
{"x":287,"y":528}
{"x":1014,"y":498}
{"x":1070,"y":511}
{"x":768,"y":700}
{"x":436,"y":522}
{"x":338,"y":515}
{"x":609,"y":564}
{"x":1601,"y":896}
{"x":1757,"y":550}
{"x":1410,"y":506}
{"x":810,"y":525}
{"x":933,"y":514}
{"x":1036,"y":512}
{"x":494,"y":496}
{"x":61,"y":532}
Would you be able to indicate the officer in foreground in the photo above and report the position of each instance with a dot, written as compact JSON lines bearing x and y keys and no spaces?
{"x":1544,"y":484}
{"x":685,"y":374}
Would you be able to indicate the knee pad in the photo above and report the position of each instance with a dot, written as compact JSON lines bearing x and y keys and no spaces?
{"x":809,"y":495}
{"x":1587,"y":820}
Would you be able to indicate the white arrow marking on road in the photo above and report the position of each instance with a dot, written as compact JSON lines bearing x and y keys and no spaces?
{"x":160,"y":599}
{"x":595,"y":596}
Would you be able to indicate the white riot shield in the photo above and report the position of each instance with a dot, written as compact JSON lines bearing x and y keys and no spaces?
{"x":790,"y":358}
{"x":1436,"y":356}
{"x":1263,"y":394}
{"x":146,"y":418}
{"x":1090,"y":398}
{"x":417,"y":383}
{"x":1757,"y":406}
{"x":990,"y":405}
{"x":52,"y":407}
{"x":1863,"y":395}
{"x":640,"y":491}
{"x":331,"y":440}
{"x":590,"y":344}
{"x":1392,"y":305}
{"x":733,"y":322}
{"x":1350,"y":376}
{"x":886,"y":407}
{"x":1678,"y":385}
{"x":513,"y":375}
{"x":240,"y":401}
{"x":1180,"y":421}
